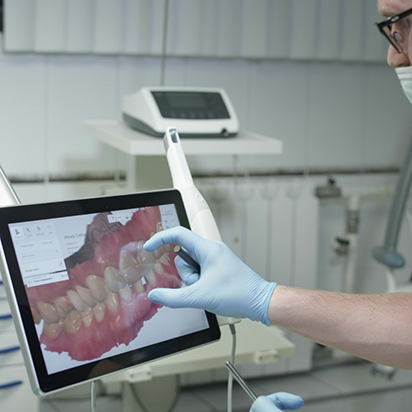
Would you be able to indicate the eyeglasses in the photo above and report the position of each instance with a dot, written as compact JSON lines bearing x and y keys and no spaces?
{"x":394,"y":37}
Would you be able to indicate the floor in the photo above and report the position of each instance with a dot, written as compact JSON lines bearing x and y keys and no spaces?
{"x":348,"y":388}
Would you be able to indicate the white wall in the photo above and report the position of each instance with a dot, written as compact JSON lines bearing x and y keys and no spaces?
{"x":327,"y":114}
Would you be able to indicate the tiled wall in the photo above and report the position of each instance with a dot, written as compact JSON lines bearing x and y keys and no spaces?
{"x":327,"y":114}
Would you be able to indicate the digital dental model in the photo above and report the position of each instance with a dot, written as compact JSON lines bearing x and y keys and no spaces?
{"x":104,"y":302}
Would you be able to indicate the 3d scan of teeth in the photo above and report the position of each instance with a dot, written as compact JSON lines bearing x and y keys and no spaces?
{"x":104,"y":302}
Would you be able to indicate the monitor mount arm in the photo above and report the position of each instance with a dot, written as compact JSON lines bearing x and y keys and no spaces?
{"x":8,"y":196}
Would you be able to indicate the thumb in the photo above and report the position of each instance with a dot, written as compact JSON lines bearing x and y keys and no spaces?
{"x":172,"y":298}
{"x":287,"y":401}
{"x":185,"y":271}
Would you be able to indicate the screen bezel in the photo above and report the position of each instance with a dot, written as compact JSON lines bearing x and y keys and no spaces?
{"x":24,"y":213}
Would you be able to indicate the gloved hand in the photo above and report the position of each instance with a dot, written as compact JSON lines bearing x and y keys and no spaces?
{"x":277,"y":402}
{"x":226,"y":286}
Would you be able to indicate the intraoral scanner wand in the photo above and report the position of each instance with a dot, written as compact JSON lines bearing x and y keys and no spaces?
{"x":201,"y":219}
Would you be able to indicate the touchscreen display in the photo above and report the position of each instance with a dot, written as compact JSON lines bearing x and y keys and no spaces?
{"x":87,"y":277}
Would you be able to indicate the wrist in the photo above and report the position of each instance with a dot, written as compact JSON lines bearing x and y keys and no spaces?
{"x":266,"y":303}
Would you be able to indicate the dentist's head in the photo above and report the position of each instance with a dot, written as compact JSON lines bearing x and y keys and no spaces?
{"x":397,"y":28}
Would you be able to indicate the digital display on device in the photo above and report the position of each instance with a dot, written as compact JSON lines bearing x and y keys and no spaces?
{"x":80,"y":278}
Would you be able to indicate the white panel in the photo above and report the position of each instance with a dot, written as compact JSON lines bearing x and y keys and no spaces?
{"x":187,"y":27}
{"x":303,"y":29}
{"x":80,"y":25}
{"x":336,"y":120}
{"x":328,"y":29}
{"x":281,"y":244}
{"x":253,"y":36}
{"x":22,"y":114}
{"x":387,"y":136}
{"x":19,"y":25}
{"x":136,"y":72}
{"x":352,"y":29}
{"x":108,"y":26}
{"x":137,"y":24}
{"x":50,"y":26}
{"x":257,"y":229}
{"x":228,"y":219}
{"x":278,"y":108}
{"x":80,"y":88}
{"x":209,"y":36}
{"x":229,"y":18}
{"x":157,"y":23}
{"x":375,"y":45}
{"x":306,"y":235}
{"x":176,"y":72}
{"x":278,"y":26}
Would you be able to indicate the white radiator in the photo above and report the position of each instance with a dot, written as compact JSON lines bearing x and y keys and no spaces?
{"x":271,"y":224}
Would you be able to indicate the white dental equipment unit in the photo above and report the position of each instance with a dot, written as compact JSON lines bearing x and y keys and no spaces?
{"x":195,"y":112}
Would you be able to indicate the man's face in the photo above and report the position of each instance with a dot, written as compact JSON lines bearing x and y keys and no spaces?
{"x":389,"y":8}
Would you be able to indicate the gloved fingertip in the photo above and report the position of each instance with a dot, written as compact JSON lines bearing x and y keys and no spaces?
{"x":288,"y":401}
{"x":153,"y":296}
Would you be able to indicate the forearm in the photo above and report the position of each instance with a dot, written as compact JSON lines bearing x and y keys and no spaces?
{"x":373,"y":327}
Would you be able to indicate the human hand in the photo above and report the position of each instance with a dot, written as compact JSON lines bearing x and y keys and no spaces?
{"x":226,"y":285}
{"x":277,"y":402}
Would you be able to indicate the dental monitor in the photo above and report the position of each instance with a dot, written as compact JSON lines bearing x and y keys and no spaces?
{"x":77,"y":279}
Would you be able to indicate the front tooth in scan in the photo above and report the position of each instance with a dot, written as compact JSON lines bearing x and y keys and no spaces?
{"x":86,"y":295}
{"x":158,"y":253}
{"x":73,"y":322}
{"x":87,"y":317}
{"x":97,"y":287}
{"x":61,"y":306}
{"x":126,"y":293}
{"x":36,"y":315}
{"x":151,"y":278}
{"x":113,"y":280}
{"x":158,"y":268}
{"x":165,"y":260}
{"x":77,"y":301}
{"x":48,"y":312}
{"x":133,"y":273}
{"x":112,"y":302}
{"x":126,"y":259}
{"x":138,"y":287}
{"x":147,"y":260}
{"x":98,"y":311}
{"x":52,"y":330}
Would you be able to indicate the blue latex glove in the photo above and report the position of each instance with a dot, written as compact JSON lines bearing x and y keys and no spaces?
{"x":277,"y":402}
{"x":226,"y":287}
